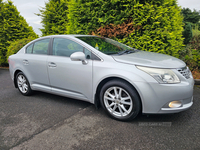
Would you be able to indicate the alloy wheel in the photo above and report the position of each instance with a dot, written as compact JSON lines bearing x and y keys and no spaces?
{"x":118,"y":101}
{"x":22,"y":84}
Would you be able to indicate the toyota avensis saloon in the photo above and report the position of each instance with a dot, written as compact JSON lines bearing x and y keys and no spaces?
{"x":124,"y":80}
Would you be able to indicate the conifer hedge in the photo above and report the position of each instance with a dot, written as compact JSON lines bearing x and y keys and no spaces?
{"x":54,"y":17}
{"x":144,"y":24}
{"x":12,"y":27}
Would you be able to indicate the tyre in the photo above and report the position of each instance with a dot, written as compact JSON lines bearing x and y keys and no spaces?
{"x":23,"y":84}
{"x":120,"y":100}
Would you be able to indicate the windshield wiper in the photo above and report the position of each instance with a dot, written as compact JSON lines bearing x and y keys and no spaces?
{"x":126,"y":52}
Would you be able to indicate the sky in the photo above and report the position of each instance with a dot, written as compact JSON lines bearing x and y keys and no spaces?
{"x":28,"y":8}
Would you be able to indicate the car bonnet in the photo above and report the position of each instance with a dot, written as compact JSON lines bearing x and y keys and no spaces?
{"x":150,"y":59}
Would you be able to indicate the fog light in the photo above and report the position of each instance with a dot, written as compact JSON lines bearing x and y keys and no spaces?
{"x":175,"y":104}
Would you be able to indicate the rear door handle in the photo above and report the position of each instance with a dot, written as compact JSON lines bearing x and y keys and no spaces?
{"x":25,"y":62}
{"x":52,"y":65}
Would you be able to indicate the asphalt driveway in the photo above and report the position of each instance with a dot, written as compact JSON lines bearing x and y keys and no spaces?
{"x":44,"y":121}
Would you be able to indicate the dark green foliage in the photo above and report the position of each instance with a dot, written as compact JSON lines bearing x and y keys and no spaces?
{"x":191,"y":53}
{"x":187,"y":33}
{"x":195,"y":42}
{"x":191,"y":57}
{"x":54,"y":17}
{"x":192,"y":17}
{"x":12,"y":27}
{"x":157,"y":25}
{"x":15,"y":46}
{"x":189,"y":16}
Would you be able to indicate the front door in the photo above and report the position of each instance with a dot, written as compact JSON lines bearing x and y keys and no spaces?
{"x":67,"y":77}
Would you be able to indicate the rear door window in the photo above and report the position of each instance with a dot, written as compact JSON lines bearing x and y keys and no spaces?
{"x":41,"y":47}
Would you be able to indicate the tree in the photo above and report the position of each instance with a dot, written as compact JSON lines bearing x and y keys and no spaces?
{"x":54,"y":17}
{"x":191,"y":20}
{"x":189,"y":16}
{"x":148,"y":25}
{"x":187,"y":33}
{"x":12,"y":27}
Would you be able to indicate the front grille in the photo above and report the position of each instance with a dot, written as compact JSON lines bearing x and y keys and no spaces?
{"x":185,"y":72}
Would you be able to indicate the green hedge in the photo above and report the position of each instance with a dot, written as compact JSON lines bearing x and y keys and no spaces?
{"x":54,"y":17}
{"x":12,"y":27}
{"x":156,"y":25}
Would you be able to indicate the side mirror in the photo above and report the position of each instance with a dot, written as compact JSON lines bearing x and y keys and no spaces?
{"x":78,"y":56}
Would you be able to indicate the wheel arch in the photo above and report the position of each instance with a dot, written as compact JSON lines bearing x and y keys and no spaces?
{"x":100,"y":85}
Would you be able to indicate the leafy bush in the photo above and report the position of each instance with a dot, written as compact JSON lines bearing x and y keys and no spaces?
{"x":196,"y":74}
{"x":15,"y":46}
{"x":191,"y":53}
{"x":196,"y":30}
{"x":192,"y":58}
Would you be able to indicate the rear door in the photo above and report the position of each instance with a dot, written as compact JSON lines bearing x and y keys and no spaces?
{"x":35,"y":65}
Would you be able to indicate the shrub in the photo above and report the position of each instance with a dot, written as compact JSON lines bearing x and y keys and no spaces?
{"x":191,"y":54}
{"x":196,"y":30}
{"x":15,"y":46}
{"x":187,"y":33}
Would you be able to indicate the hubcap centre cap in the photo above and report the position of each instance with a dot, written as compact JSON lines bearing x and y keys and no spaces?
{"x":117,"y":101}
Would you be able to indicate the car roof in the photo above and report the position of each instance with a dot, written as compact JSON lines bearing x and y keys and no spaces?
{"x":69,"y":35}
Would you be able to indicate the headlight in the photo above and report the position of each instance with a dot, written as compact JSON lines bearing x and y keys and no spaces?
{"x":161,"y":75}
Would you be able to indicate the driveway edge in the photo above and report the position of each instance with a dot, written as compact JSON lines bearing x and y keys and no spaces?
{"x":4,"y":68}
{"x":197,"y":81}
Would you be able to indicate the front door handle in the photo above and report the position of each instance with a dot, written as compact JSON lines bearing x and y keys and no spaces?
{"x":52,"y":65}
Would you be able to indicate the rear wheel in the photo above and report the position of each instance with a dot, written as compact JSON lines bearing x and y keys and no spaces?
{"x":120,"y":100}
{"x":23,"y":84}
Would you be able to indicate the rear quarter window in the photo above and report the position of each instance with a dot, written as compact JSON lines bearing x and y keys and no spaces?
{"x":29,"y":49}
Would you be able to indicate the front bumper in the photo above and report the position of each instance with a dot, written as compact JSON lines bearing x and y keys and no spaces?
{"x":156,"y":97}
{"x":178,"y":109}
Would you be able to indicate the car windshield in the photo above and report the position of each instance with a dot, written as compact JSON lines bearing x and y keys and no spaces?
{"x":106,"y":45}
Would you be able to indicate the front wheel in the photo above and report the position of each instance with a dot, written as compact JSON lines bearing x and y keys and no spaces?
{"x":120,"y":100}
{"x":23,"y":84}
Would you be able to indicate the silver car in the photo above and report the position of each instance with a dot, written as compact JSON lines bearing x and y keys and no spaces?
{"x":124,"y":80}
